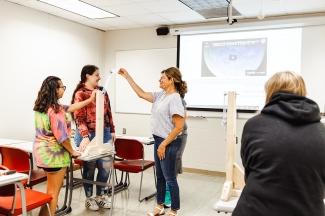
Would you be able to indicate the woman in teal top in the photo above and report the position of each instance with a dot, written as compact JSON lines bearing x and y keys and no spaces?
{"x":52,"y":147}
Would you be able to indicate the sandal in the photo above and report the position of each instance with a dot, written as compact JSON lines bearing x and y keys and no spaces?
{"x":161,"y":211}
{"x":172,"y":214}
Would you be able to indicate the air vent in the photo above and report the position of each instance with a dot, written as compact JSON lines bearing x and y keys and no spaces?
{"x":210,"y":8}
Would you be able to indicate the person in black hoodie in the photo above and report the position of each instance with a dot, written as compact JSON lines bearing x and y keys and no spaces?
{"x":283,"y":153}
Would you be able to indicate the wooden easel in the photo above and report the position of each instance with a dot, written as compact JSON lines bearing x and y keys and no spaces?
{"x":234,"y":173}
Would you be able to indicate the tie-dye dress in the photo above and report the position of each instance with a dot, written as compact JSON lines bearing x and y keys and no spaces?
{"x":52,"y":129}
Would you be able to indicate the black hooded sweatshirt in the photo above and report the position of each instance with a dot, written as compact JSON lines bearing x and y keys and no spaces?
{"x":283,"y":153}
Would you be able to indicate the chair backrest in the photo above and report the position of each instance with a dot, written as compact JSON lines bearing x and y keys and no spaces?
{"x":128,"y":149}
{"x":15,"y":159}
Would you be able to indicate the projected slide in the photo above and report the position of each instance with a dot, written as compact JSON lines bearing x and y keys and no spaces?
{"x":234,"y":58}
{"x":215,"y":63}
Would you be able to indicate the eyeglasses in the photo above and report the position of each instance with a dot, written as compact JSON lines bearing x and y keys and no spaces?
{"x":64,"y":87}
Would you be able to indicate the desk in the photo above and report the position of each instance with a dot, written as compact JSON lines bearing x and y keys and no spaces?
{"x":15,"y":179}
{"x":4,"y":141}
{"x":25,"y":146}
{"x":143,"y":140}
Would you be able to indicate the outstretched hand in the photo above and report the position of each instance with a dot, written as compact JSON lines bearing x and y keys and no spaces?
{"x":123,"y":72}
{"x":75,"y":154}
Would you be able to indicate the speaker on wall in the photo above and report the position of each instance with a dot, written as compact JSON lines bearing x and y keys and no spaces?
{"x":164,"y":30}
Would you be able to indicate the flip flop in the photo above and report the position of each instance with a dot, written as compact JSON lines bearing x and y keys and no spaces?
{"x":161,"y":212}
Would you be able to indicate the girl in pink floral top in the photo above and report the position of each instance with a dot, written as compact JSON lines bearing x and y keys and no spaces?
{"x":52,"y":147}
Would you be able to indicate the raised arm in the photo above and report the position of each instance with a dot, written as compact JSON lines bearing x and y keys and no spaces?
{"x":137,"y":89}
{"x":81,"y":104}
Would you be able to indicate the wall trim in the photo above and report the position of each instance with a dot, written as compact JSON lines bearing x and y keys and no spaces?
{"x":204,"y":172}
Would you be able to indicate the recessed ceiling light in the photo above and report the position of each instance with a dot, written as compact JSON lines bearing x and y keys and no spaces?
{"x":81,"y":8}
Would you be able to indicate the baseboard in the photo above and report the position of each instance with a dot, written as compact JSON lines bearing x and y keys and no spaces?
{"x":204,"y":172}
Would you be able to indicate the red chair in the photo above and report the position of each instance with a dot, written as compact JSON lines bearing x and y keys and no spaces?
{"x":10,"y":199}
{"x":132,"y":154}
{"x":22,"y":161}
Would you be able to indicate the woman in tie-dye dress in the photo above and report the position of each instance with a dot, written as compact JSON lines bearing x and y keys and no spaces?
{"x":52,"y":147}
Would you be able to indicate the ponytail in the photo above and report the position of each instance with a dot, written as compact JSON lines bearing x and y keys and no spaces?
{"x":79,"y":86}
{"x":182,"y":88}
{"x":180,"y":85}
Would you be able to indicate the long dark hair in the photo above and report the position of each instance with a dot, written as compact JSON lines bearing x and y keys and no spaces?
{"x":180,"y":85}
{"x":87,"y":69}
{"x":47,"y":96}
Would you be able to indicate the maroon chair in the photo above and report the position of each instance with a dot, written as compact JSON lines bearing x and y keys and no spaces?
{"x":22,"y":161}
{"x":132,"y":154}
{"x":10,"y":199}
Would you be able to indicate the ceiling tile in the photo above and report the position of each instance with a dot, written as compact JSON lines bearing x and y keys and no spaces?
{"x":303,"y":5}
{"x":107,"y":2}
{"x":127,"y":10}
{"x":182,"y":17}
{"x":150,"y":19}
{"x":117,"y":21}
{"x":157,"y":6}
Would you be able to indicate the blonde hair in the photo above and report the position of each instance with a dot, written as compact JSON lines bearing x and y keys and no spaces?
{"x":285,"y":81}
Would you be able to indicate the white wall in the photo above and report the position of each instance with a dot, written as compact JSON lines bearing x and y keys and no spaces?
{"x":313,"y":63}
{"x":206,"y":141}
{"x":34,"y":45}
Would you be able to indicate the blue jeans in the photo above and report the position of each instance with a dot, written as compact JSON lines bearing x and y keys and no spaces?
{"x":103,"y":165}
{"x":179,"y":163}
{"x":166,"y":172}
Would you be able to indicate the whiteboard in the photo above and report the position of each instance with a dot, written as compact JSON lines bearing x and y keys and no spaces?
{"x":145,"y":67}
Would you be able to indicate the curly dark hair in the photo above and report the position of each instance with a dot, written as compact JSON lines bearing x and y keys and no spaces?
{"x":47,"y":95}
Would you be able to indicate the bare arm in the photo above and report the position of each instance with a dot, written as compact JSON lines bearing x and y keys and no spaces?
{"x":67,"y":145}
{"x":81,"y":104}
{"x":136,"y":88}
{"x":179,"y":125}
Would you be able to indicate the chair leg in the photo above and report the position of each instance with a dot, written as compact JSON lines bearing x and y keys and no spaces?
{"x":121,"y":180}
{"x":48,"y":209}
{"x":121,"y":184}
{"x":127,"y":180}
{"x":154,"y":175}
{"x":116,"y":176}
{"x":81,"y":170}
{"x":140,"y":200}
{"x":151,"y":195}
